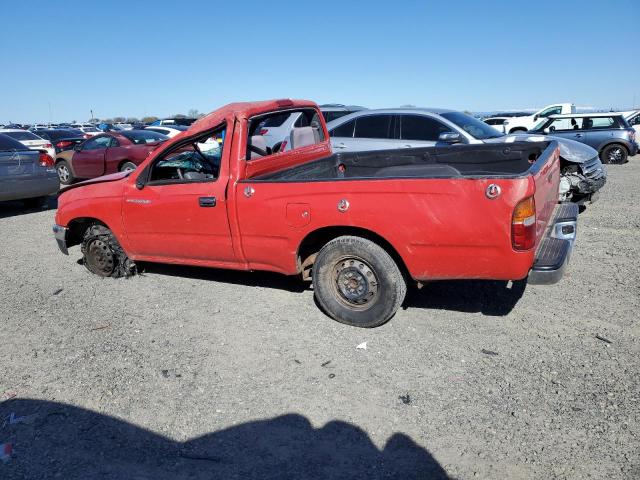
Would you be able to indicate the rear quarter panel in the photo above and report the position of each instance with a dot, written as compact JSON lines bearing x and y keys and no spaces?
{"x":442,"y":228}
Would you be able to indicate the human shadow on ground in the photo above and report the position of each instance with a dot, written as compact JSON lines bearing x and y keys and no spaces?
{"x":55,"y":440}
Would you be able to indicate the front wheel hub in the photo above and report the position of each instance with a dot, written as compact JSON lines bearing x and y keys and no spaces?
{"x":99,"y":258}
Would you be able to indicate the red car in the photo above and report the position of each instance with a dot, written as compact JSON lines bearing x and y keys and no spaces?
{"x":362,"y":226}
{"x":107,"y":153}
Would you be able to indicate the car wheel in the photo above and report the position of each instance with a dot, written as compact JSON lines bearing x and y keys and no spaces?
{"x":357,"y":282}
{"x":37,"y":202}
{"x":103,"y":255}
{"x":128,"y":167}
{"x":64,"y":173}
{"x":614,"y":153}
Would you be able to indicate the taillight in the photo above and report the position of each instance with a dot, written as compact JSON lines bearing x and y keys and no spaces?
{"x":632,"y":135}
{"x":263,"y":131}
{"x":86,"y":135}
{"x":283,"y":146}
{"x":63,"y":144}
{"x":523,"y":225}
{"x":45,"y":160}
{"x":47,"y":145}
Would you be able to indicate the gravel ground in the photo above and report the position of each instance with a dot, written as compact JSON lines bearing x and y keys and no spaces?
{"x":192,"y":373}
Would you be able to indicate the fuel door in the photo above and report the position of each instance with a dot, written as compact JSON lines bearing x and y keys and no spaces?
{"x":298,"y":214}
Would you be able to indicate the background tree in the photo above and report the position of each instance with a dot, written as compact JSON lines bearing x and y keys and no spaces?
{"x":149,"y":119}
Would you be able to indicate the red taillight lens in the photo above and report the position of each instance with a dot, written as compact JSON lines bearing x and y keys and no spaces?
{"x":263,"y":131}
{"x":86,"y":135}
{"x":283,"y":146}
{"x":48,"y":145}
{"x":45,"y":160}
{"x":523,"y":225}
{"x":63,"y":143}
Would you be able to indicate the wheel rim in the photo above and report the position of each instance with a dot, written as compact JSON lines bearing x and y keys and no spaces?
{"x":355,"y":283}
{"x":615,"y":155}
{"x":128,"y":167}
{"x":99,"y":257}
{"x":63,"y":173}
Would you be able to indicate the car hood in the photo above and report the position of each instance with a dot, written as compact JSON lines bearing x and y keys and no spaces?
{"x":114,"y":177}
{"x":570,"y":150}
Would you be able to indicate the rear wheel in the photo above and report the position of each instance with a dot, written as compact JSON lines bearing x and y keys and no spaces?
{"x":614,"y":153}
{"x":64,"y":173}
{"x":127,"y":167}
{"x":103,"y":255}
{"x":357,"y":282}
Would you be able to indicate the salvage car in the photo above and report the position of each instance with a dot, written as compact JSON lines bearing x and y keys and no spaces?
{"x":608,"y":133}
{"x":522,"y":123}
{"x":361,"y":226}
{"x":106,"y":153}
{"x":581,"y":169}
{"x":62,"y":139}
{"x":25,"y":174}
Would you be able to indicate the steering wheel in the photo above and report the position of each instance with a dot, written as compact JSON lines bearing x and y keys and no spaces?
{"x":259,"y":151}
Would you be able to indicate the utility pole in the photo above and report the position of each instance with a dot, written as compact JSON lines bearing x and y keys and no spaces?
{"x":92,"y":117}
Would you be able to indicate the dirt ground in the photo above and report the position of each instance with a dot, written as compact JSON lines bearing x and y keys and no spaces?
{"x":191,"y":373}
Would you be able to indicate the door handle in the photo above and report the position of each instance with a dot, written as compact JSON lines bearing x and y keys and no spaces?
{"x":207,"y":201}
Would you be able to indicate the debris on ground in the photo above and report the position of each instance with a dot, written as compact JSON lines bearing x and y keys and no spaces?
{"x":362,"y":346}
{"x":332,"y":375}
{"x":489,"y":352}
{"x":325,"y":363}
{"x":606,"y":340}
{"x":406,"y":399}
{"x":58,"y":291}
{"x":297,"y":361}
{"x":12,"y":419}
{"x":101,"y":327}
{"x":6,"y":452}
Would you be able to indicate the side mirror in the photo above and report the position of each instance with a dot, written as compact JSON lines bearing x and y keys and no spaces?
{"x":77,"y":147}
{"x":450,"y":137}
{"x":141,"y":180}
{"x":535,"y":117}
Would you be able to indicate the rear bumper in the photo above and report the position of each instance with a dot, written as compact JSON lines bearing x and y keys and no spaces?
{"x":555,"y":248}
{"x":19,"y":188}
{"x":60,"y":234}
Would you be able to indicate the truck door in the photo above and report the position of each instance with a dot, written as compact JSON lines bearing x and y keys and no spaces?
{"x":180,"y":213}
{"x":88,"y":162}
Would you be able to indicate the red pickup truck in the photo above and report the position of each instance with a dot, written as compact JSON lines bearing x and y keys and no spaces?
{"x":361,"y":226}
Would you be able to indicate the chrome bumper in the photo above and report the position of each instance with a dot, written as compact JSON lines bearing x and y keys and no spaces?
{"x":554,"y":251}
{"x":60,"y":233}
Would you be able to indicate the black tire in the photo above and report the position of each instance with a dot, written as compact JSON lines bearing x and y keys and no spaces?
{"x":103,"y":255}
{"x":65,"y":174}
{"x":127,"y":166}
{"x":37,"y":202}
{"x":614,"y":153}
{"x":518,"y":130}
{"x":356,"y":282}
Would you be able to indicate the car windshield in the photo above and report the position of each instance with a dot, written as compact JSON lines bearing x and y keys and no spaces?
{"x":141,"y":137}
{"x":472,"y":126}
{"x":22,"y":136}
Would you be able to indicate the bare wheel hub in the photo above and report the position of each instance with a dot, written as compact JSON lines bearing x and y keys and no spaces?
{"x":355,"y":282}
{"x":615,"y":155}
{"x":100,"y":257}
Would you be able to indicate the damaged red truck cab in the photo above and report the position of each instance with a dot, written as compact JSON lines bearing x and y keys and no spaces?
{"x":361,"y":225}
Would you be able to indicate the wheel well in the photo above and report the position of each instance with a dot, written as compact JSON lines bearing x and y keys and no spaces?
{"x":77,"y":227}
{"x":518,"y":129}
{"x":314,"y":241}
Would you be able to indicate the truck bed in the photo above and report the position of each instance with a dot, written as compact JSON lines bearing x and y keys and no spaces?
{"x":460,"y":161}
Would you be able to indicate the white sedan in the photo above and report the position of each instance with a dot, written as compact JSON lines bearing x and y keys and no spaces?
{"x":87,"y":129}
{"x":30,"y":140}
{"x":168,"y":130}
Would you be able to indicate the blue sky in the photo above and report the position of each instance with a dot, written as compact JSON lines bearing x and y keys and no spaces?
{"x":164,"y":57}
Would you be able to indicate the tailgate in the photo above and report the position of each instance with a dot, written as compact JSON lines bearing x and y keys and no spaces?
{"x":546,"y":176}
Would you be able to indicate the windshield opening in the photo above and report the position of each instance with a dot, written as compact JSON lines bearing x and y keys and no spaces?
{"x":472,"y":126}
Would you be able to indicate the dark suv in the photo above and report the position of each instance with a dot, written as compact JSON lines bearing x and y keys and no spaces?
{"x":608,"y":133}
